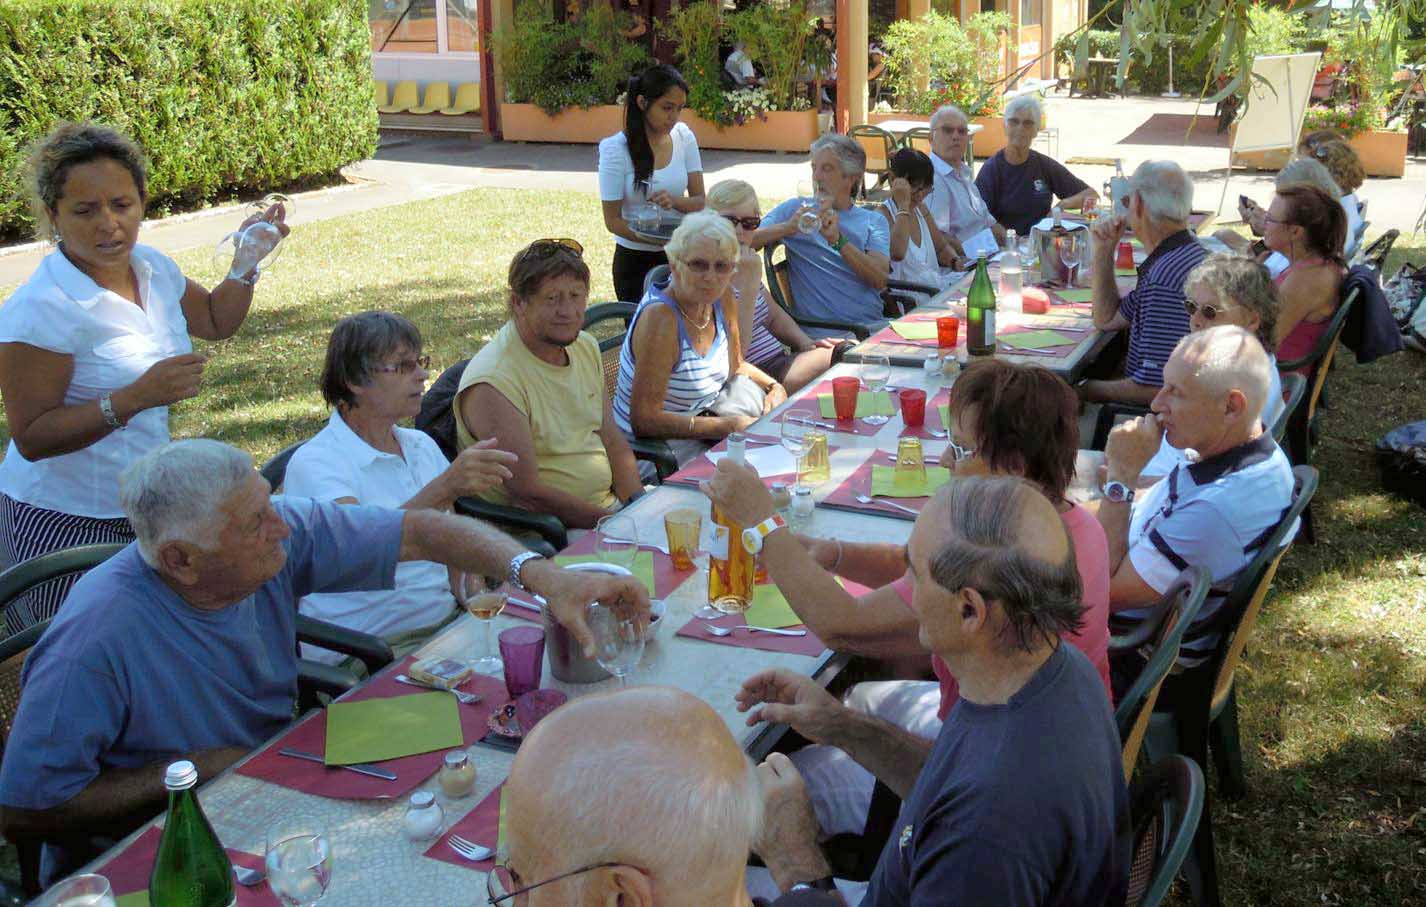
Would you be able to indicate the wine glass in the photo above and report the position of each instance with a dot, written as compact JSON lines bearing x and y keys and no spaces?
{"x":794,"y":440}
{"x":616,"y":540}
{"x":484,"y":603}
{"x":618,"y":643}
{"x":299,"y":862}
{"x":252,"y":249}
{"x":261,"y":206}
{"x":1029,"y":255}
{"x":87,"y":890}
{"x":876,"y":372}
{"x":1070,"y":252}
{"x":810,"y":218}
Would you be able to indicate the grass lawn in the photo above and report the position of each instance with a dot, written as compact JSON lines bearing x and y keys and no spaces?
{"x":1332,"y":691}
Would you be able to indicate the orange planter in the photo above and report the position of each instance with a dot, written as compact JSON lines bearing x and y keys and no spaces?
{"x":781,"y":131}
{"x":1383,"y":154}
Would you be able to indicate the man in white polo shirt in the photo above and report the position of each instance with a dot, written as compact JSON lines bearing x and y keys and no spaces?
{"x":1215,"y":512}
{"x":954,"y":201}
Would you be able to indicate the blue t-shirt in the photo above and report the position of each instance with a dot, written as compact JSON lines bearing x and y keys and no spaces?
{"x":1018,"y":805}
{"x":1020,"y":195}
{"x":129,"y":674}
{"x":823,"y":284}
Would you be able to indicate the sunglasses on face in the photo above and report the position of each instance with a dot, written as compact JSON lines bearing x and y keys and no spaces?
{"x":702,"y":266}
{"x":544,"y":248}
{"x":747,"y":223}
{"x":1210,"y":312}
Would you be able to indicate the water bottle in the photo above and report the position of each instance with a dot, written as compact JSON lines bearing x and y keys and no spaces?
{"x":192,"y":869}
{"x":1012,"y":274}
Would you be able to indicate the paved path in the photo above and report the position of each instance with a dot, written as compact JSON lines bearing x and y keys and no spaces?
{"x":408,"y":167}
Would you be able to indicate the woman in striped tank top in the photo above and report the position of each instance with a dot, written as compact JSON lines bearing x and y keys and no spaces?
{"x":681,"y":364}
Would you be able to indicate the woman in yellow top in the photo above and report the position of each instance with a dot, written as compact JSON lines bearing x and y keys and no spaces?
{"x":538,"y":388}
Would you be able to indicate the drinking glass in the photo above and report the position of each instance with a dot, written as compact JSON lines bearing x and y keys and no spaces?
{"x":794,"y":440}
{"x":683,"y":527}
{"x":87,"y":890}
{"x":616,"y":540}
{"x":261,"y":206}
{"x":1070,"y":252}
{"x":1029,"y":254}
{"x":876,"y":372}
{"x":646,"y":214}
{"x":618,"y":643}
{"x":808,"y":220}
{"x":481,"y":601}
{"x":254,"y":248}
{"x":299,"y":861}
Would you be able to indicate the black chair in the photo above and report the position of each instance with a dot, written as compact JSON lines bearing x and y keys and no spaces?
{"x":879,"y":146}
{"x":779,"y":285}
{"x":1165,"y":806}
{"x":1175,"y":611}
{"x":1294,"y":389}
{"x":653,"y":450}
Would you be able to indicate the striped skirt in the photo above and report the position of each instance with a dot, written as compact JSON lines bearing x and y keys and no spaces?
{"x":27,"y":531}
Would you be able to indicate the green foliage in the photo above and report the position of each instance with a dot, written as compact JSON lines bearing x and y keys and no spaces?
{"x":696,"y":29}
{"x":777,"y":38}
{"x":223,"y":95}
{"x":1273,"y":30}
{"x":555,"y":65}
{"x":933,"y":60}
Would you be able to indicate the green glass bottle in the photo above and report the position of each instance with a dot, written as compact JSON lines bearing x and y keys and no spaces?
{"x":192,"y":868}
{"x":980,"y":312}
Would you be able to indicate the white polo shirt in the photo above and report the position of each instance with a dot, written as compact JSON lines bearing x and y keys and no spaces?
{"x":112,"y":342}
{"x":338,"y":464}
{"x":955,"y":202}
{"x":1216,"y":514}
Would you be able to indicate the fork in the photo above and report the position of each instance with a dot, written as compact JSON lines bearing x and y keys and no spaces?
{"x":465,"y":698}
{"x":662,"y":549}
{"x":470,"y":850}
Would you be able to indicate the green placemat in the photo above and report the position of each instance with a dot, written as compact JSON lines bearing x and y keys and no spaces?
{"x":643,"y":565}
{"x":373,"y":730}
{"x":1036,"y":339}
{"x":770,"y":609}
{"x":868,"y":404}
{"x":915,"y":330}
{"x":883,"y":482}
{"x":1126,"y":272}
{"x":945,"y":410}
{"x":133,"y":899}
{"x":1076,"y":295}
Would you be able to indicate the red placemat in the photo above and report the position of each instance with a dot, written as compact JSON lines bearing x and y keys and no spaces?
{"x":480,"y":826}
{"x":808,"y":408}
{"x":128,"y":871}
{"x":311,"y":735}
{"x":809,"y":645}
{"x":859,"y":482}
{"x":666,"y":579}
{"x":701,"y":468}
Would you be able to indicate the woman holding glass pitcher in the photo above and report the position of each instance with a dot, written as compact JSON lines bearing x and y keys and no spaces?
{"x":94,"y":347}
{"x":653,"y":162}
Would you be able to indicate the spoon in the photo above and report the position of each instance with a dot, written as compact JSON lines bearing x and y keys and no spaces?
{"x":935,"y":432}
{"x":728,"y":631}
{"x":248,"y":877}
{"x":863,"y":499}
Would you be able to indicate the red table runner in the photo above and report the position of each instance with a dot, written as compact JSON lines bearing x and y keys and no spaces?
{"x":808,"y":407}
{"x":480,"y":826}
{"x":701,"y":468}
{"x":128,"y":871}
{"x":843,"y":497}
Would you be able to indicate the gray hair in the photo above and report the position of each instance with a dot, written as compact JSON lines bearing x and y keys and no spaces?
{"x":1041,"y":600}
{"x":1167,"y":191}
{"x":1029,"y":101}
{"x":358,"y":344}
{"x":851,"y":157}
{"x":1227,"y":358}
{"x":1309,"y":171}
{"x":946,"y":110}
{"x":1241,"y":281}
{"x":703,"y":224}
{"x":726,"y":194}
{"x":176,"y":493}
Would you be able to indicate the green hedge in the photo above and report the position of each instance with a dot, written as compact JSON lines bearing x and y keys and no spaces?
{"x":224,"y":96}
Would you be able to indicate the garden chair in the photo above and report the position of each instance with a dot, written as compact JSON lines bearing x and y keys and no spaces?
{"x":1374,"y":255}
{"x":1165,"y":806}
{"x":779,"y":285}
{"x":438,"y":96}
{"x":917,"y":139}
{"x":879,"y":146}
{"x":1294,"y":389}
{"x":403,"y":97}
{"x":653,"y":450}
{"x":381,"y":93}
{"x":467,"y":100}
{"x":1175,"y":611}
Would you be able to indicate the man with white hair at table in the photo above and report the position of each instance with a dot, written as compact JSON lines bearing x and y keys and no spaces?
{"x":183,"y":645}
{"x":657,"y":805}
{"x":955,"y":201}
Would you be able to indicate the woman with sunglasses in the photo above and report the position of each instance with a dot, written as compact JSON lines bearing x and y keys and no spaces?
{"x":682,"y":374}
{"x":372,"y":379}
{"x":1308,"y":227}
{"x":1018,"y":183}
{"x":768,"y":331}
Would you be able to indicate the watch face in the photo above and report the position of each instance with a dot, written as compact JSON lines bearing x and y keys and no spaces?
{"x":1118,"y":492}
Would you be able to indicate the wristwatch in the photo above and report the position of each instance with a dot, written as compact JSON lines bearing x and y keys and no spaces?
{"x":753,"y":538}
{"x":826,"y":883}
{"x":516,"y":563}
{"x":841,"y":241}
{"x":106,"y":407}
{"x":1118,"y":492}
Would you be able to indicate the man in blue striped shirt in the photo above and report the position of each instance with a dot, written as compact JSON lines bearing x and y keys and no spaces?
{"x":1157,"y":208}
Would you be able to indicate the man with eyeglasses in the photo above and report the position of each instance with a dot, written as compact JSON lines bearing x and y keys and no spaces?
{"x":955,"y":201}
{"x":1158,"y":207}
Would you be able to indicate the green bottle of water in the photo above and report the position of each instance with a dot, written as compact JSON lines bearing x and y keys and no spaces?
{"x":192,"y":868}
{"x":980,"y":312}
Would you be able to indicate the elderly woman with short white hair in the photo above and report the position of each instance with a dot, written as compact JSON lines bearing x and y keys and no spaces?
{"x":682,"y":375}
{"x":1019,"y":184}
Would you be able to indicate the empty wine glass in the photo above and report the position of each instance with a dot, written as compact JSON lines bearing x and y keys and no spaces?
{"x":876,"y":372}
{"x":252,"y":249}
{"x":286,"y":206}
{"x":809,"y":217}
{"x":299,"y":862}
{"x":794,"y":439}
{"x":618,"y":642}
{"x":616,"y":540}
{"x":484,"y":603}
{"x":1070,"y":252}
{"x":78,"y":891}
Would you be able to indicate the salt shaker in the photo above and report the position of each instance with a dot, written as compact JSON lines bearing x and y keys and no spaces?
{"x":457,"y":777}
{"x":802,"y":506}
{"x":781,"y":498}
{"x":932,"y":368}
{"x":424,"y":818}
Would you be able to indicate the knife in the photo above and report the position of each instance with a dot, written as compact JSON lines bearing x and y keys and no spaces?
{"x":361,"y":769}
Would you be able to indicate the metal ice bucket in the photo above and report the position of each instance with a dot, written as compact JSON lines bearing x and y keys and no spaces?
{"x":567,"y":661}
{"x":1051,"y":249}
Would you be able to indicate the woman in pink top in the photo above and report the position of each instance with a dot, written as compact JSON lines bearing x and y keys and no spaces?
{"x":1307,"y":226}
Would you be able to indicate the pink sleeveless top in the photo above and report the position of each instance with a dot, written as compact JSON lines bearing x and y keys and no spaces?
{"x":1302,"y":339}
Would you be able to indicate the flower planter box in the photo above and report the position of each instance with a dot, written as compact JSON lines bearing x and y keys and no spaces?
{"x":1383,"y":153}
{"x":781,"y":131}
{"x":989,"y":140}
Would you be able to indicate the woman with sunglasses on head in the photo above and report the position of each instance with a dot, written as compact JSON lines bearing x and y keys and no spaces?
{"x":767,"y":330}
{"x":918,"y":249}
{"x":537,"y":389}
{"x":653,"y":160}
{"x":372,"y":379}
{"x":682,"y":373}
{"x":1019,"y":184}
{"x":1308,"y":227}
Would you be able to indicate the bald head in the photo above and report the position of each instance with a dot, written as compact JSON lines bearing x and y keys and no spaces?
{"x":1227,"y":357}
{"x":647,"y":776}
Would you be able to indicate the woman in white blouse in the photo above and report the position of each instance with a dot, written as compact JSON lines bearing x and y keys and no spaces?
{"x":93,"y":349}
{"x":655,"y":159}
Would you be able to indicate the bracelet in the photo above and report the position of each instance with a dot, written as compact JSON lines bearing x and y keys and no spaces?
{"x":838,"y":562}
{"x":841,"y":241}
{"x":106,"y":406}
{"x":249,"y":281}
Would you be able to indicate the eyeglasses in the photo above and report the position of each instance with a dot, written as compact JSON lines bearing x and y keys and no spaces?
{"x":502,"y":884}
{"x":959,"y":452}
{"x":404,"y":367}
{"x":955,"y":130}
{"x":701,"y":266}
{"x":1210,"y":312}
{"x":1016,"y":121}
{"x":747,"y":223}
{"x":1269,"y":219}
{"x":544,"y":248}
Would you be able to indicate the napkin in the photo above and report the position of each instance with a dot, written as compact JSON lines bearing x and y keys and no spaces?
{"x":376,"y":729}
{"x":883,"y":482}
{"x":915,"y":330}
{"x":643,"y":566}
{"x":770,"y":460}
{"x":945,"y":410}
{"x":1047,"y":224}
{"x":770,"y":609}
{"x":1076,"y":295}
{"x":867,"y":404}
{"x":1036,"y":339}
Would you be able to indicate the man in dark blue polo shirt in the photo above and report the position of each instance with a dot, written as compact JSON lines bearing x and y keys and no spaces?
{"x":1159,"y":204}
{"x":1020,"y":801}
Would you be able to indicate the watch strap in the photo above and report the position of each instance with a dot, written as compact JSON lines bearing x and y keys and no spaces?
{"x":106,"y":406}
{"x":841,"y":241}
{"x":516,"y":563}
{"x":753,"y":537}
